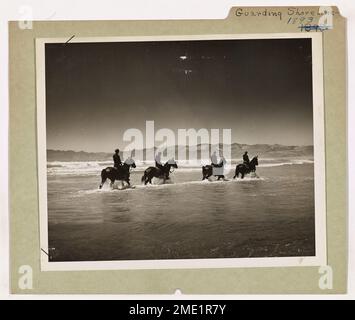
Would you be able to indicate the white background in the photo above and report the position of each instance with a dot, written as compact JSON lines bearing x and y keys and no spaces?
{"x":154,"y":9}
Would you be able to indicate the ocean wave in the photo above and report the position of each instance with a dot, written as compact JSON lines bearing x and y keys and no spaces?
{"x":95,"y":167}
{"x":288,"y":163}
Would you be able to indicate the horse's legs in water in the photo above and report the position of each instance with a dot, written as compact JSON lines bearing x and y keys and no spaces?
{"x":242,"y":175}
{"x":128,"y":182}
{"x":112,"y":182}
{"x":103,"y":180}
{"x":206,"y":174}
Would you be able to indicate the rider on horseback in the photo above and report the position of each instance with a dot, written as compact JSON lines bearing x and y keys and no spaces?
{"x":247,"y":166}
{"x":161,"y":172}
{"x":120,"y":171}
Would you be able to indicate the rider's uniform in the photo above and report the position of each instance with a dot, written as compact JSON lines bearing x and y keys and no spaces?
{"x":246,"y":160}
{"x":117,"y":160}
{"x":218,"y":169}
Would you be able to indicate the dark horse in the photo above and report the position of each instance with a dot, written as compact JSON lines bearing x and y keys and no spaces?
{"x":207,"y":171}
{"x":244,"y":169}
{"x":163,"y":172}
{"x":121,"y":173}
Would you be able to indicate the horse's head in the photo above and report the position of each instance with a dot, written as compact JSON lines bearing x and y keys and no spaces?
{"x":255,"y":161}
{"x":172,"y":163}
{"x":130,"y":163}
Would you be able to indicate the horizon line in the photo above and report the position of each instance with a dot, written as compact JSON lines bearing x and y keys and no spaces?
{"x":177,"y":145}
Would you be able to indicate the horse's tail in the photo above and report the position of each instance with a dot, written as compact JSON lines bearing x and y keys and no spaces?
{"x":103,"y":178}
{"x":236,"y":172}
{"x":143,"y":177}
{"x":203,"y":172}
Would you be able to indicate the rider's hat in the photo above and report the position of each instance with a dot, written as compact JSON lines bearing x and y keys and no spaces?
{"x":117,"y":150}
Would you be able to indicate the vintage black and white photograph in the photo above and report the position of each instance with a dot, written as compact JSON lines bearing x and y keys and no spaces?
{"x":181,"y":149}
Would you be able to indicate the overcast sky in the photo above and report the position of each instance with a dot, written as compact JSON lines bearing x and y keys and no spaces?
{"x":261,"y":89}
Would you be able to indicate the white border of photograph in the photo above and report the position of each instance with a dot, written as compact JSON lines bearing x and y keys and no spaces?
{"x":319,"y":259}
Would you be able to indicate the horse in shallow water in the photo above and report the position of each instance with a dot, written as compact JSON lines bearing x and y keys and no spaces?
{"x":216,"y":170}
{"x":120,"y":173}
{"x":244,"y":169}
{"x":162,"y":172}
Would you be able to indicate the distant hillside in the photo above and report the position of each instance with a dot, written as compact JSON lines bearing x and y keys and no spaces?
{"x":272,"y":151}
{"x":59,"y":155}
{"x":263,"y":150}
